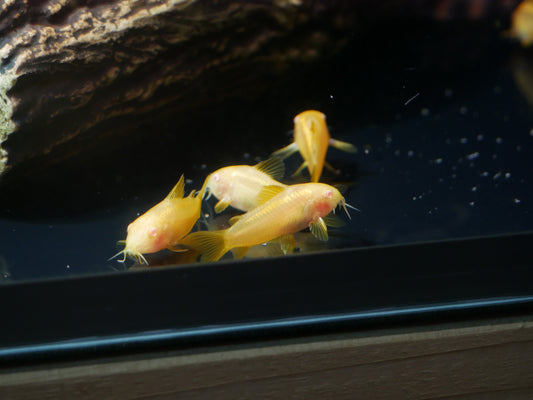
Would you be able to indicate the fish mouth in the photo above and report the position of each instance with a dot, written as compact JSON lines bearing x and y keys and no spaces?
{"x":133,"y":254}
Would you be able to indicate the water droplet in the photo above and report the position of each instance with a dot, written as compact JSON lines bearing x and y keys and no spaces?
{"x":516,"y":201}
{"x":472,"y":156}
{"x":499,"y":140}
{"x":246,"y":156}
{"x":188,"y":181}
{"x":480,"y":137}
{"x":463,"y":140}
{"x":331,"y":96}
{"x":410,"y":153}
{"x":425,"y":112}
{"x":507,"y":175}
{"x":484,"y":174}
{"x":438,"y":160}
{"x":471,"y":204}
{"x":497,"y":175}
{"x":68,"y":266}
{"x":414,"y":198}
{"x":474,"y":189}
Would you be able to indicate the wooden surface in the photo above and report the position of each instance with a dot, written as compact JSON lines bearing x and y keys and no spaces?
{"x":488,"y":360}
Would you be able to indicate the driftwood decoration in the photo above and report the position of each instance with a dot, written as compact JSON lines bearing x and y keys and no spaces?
{"x":73,"y":72}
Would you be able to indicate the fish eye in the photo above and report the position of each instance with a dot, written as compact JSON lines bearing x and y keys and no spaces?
{"x":328,"y":194}
{"x":296,"y":119}
{"x":216,"y":177}
{"x":153,"y":232}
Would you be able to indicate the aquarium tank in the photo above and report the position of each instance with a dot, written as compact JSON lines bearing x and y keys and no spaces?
{"x":436,"y":101}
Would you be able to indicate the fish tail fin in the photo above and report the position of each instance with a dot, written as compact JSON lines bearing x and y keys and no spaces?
{"x":344,"y":146}
{"x":210,"y":244}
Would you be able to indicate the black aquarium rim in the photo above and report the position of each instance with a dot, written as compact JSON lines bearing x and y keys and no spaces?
{"x":305,"y":295}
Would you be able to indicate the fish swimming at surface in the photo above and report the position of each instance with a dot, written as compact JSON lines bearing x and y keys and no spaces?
{"x":239,"y":185}
{"x":281,"y":212}
{"x":312,"y":139}
{"x":163,"y":225}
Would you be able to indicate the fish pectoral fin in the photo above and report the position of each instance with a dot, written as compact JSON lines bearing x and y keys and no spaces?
{"x":239,"y":252}
{"x":334,"y":221}
{"x":221,"y":205}
{"x":344,"y":146}
{"x":287,"y":243}
{"x":178,"y":190}
{"x":319,"y":229}
{"x":267,"y":193}
{"x":121,"y":242}
{"x":177,"y":249}
{"x":286,"y":151}
{"x":274,"y":167}
{"x":300,"y":169}
{"x":331,"y":168}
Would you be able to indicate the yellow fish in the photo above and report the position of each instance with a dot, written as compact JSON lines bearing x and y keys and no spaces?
{"x":239,"y":185}
{"x":280,"y":213}
{"x":312,"y":139}
{"x":163,"y":225}
{"x":522,"y":23}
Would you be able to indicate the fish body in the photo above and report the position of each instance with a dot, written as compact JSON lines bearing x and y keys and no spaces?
{"x":285,"y":211}
{"x":522,"y":23}
{"x":239,"y":185}
{"x":163,"y":225}
{"x":312,"y":139}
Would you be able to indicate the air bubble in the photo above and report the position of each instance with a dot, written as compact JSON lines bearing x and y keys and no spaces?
{"x":203,"y":166}
{"x":497,"y":175}
{"x":463,"y":140}
{"x":499,"y":140}
{"x":516,"y":201}
{"x":438,"y":160}
{"x":507,"y":175}
{"x":410,"y":153}
{"x":474,"y":189}
{"x":471,"y":204}
{"x":480,"y":137}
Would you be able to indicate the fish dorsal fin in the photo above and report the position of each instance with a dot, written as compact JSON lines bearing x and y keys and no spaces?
{"x":267,"y":193}
{"x":178,"y":190}
{"x":274,"y":167}
{"x":319,"y":230}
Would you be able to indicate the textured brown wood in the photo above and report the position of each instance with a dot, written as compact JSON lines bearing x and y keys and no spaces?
{"x":488,"y":361}
{"x":73,"y":73}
